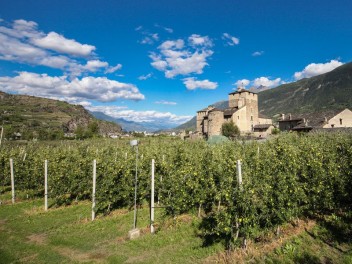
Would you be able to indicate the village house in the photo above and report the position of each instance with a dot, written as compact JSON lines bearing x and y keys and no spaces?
{"x":307,"y":122}
{"x":242,"y":111}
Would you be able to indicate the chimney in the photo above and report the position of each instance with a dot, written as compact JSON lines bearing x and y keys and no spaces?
{"x":289,"y":116}
{"x":282,"y":116}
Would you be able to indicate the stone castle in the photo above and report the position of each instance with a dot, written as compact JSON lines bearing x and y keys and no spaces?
{"x":242,"y":111}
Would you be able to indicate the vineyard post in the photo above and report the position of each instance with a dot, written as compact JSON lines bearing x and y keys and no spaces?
{"x":239,"y":174}
{"x":2,"y":132}
{"x":46,"y":185}
{"x":12,"y":181}
{"x":152,"y":201}
{"x":94,"y":184}
{"x":134,"y":143}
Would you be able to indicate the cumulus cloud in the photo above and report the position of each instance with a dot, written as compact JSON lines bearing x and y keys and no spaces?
{"x":265,"y":81}
{"x":261,"y":81}
{"x":230,"y":40}
{"x":145,"y":77}
{"x":197,"y":40}
{"x":166,"y":102}
{"x":22,"y":42}
{"x":175,"y":58}
{"x":242,"y":83}
{"x":149,"y":116}
{"x":314,"y":69}
{"x":191,"y":84}
{"x":95,"y":65}
{"x":56,"y":42}
{"x":257,"y":53}
{"x":106,"y":109}
{"x":87,"y":88}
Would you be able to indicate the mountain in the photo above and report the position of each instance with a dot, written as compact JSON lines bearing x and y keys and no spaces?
{"x":126,"y":125}
{"x":134,"y":126}
{"x":324,"y":93}
{"x":46,"y":118}
{"x":329,"y":91}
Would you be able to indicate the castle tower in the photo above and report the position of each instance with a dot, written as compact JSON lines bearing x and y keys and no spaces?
{"x":247,"y":104}
{"x":202,"y":120}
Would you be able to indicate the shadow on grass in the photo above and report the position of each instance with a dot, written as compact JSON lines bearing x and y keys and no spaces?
{"x":307,"y":258}
{"x":334,"y":230}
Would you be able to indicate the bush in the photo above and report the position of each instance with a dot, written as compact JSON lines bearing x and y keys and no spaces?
{"x":230,"y":130}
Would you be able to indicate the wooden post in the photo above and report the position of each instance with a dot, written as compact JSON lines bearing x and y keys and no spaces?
{"x":46,"y":185}
{"x":94,"y":183}
{"x":239,"y":174}
{"x":2,"y":132}
{"x":152,"y":201}
{"x":12,"y":181}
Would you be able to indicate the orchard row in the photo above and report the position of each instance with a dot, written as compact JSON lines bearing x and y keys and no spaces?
{"x":283,"y":178}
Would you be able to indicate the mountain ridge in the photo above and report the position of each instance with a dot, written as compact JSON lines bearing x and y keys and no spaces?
{"x":38,"y":117}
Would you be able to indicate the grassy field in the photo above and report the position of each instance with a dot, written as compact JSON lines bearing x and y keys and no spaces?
{"x":66,"y":235}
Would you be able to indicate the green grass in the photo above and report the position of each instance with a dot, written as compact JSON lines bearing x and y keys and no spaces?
{"x":28,"y":234}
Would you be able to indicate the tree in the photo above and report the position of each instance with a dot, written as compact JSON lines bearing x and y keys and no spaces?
{"x":230,"y":130}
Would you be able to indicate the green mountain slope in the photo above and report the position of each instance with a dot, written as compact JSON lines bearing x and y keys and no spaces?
{"x":329,"y":91}
{"x":36,"y":117}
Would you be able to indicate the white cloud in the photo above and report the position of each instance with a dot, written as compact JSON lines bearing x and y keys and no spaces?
{"x":230,"y":40}
{"x":314,"y":69}
{"x":87,"y":88}
{"x":169,"y":44}
{"x":57,"y":62}
{"x":257,"y":53}
{"x":257,"y":82}
{"x":177,"y":59}
{"x":145,"y":77}
{"x":265,"y":81}
{"x":111,"y":69}
{"x":166,"y":102}
{"x":243,"y":82}
{"x":197,"y":40}
{"x":13,"y":49}
{"x":95,"y":65}
{"x":192,"y":84}
{"x":148,"y":116}
{"x":59,"y":43}
{"x":108,"y":110}
{"x":23,"y":42}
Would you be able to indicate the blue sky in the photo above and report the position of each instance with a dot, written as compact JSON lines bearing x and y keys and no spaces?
{"x":161,"y":61}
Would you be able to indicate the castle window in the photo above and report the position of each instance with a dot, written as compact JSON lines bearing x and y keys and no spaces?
{"x":340,"y":121}
{"x":251,"y":118}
